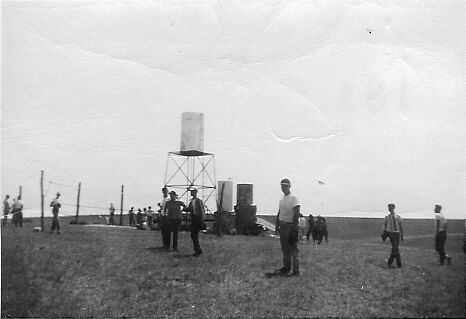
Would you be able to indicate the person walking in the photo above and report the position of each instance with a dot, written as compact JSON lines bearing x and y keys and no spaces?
{"x":441,"y":235}
{"x":55,"y":209}
{"x":173,"y":212}
{"x":111,"y":220}
{"x":132,"y":222}
{"x":196,"y":208}
{"x":394,"y":229}
{"x":287,"y":227}
{"x":6,"y":210}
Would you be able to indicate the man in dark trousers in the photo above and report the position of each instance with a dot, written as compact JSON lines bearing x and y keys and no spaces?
{"x":173,"y":212}
{"x":132,"y":222}
{"x":196,"y":208}
{"x":310,"y":228}
{"x":111,"y":220}
{"x":287,"y":226}
{"x":394,"y":229}
{"x":140,"y":220}
{"x":441,"y":235}
{"x":163,"y":221}
{"x":55,"y":209}
{"x":6,"y":210}
{"x":17,"y":211}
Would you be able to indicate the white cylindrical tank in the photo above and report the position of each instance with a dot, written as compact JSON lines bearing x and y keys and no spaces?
{"x":192,"y":132}
{"x":227,"y":202}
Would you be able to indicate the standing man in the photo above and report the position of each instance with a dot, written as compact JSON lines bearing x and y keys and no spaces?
{"x":196,"y":208}
{"x":441,"y":235}
{"x":310,"y":229}
{"x":173,"y":213}
{"x":150,"y":217}
{"x":302,"y":227}
{"x":394,"y":229}
{"x":163,"y":221}
{"x":287,"y":226}
{"x":112,"y":214}
{"x":55,"y":208}
{"x":140,"y":219}
{"x":17,"y":211}
{"x":6,"y":210}
{"x":131,"y":217}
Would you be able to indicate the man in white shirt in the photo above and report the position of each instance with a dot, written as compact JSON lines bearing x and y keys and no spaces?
{"x":17,"y":211}
{"x":163,"y":221}
{"x":287,"y":225}
{"x":441,"y":235}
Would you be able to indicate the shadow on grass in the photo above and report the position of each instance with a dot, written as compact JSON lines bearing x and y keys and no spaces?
{"x":155,"y":249}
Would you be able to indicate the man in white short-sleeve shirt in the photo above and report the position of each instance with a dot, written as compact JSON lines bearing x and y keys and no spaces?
{"x":287,"y":225}
{"x":441,"y":235}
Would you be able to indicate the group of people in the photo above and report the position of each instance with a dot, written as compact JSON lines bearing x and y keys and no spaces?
{"x":15,"y":209}
{"x":169,"y":218}
{"x":146,"y":215}
{"x":316,"y":229}
{"x":288,"y":227}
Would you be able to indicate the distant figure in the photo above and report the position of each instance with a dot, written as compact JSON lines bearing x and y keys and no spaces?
{"x":6,"y":210}
{"x":173,"y":211}
{"x":140,"y":219}
{"x":17,"y":211}
{"x":441,"y":235}
{"x":394,"y":229}
{"x":287,"y":226}
{"x":132,"y":221}
{"x":310,"y":228}
{"x":150,"y":217}
{"x":112,"y":214}
{"x":196,"y":208}
{"x":163,"y":221}
{"x":320,"y":230}
{"x":55,"y":209}
{"x":302,"y":227}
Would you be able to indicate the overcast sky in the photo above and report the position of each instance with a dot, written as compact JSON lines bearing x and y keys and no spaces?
{"x":366,"y":96}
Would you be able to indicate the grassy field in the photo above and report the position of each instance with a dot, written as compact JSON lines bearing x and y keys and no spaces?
{"x":113,"y":272}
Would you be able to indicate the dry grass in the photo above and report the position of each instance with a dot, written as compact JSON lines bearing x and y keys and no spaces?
{"x":102,"y":272}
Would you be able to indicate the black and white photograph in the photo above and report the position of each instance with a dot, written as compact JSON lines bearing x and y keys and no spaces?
{"x":233,"y":159}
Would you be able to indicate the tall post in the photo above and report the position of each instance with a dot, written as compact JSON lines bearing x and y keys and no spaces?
{"x":77,"y":205}
{"x":121,"y":205}
{"x":42,"y":200}
{"x":20,"y":191}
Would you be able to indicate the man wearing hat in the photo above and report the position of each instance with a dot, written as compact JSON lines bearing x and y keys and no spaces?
{"x":287,"y":226}
{"x":394,"y":229}
{"x":55,"y":209}
{"x":173,"y":213}
{"x":441,"y":235}
{"x":163,"y":221}
{"x":196,"y":208}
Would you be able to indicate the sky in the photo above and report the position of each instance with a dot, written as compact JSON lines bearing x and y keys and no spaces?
{"x":366,"y":96}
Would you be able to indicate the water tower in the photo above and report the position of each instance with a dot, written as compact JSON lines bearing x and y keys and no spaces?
{"x":191,"y":166}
